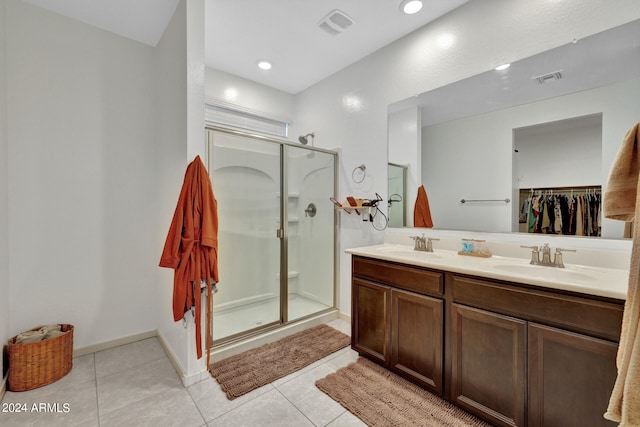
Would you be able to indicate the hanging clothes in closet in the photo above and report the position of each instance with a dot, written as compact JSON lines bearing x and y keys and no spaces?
{"x":568,"y":212}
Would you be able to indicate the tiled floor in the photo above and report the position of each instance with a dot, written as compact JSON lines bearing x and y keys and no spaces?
{"x":136,"y":385}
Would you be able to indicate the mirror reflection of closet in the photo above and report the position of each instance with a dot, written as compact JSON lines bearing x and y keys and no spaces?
{"x":397,"y":188}
{"x":559,"y":161}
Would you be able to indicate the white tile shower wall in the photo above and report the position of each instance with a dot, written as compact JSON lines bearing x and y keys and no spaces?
{"x":249,"y":259}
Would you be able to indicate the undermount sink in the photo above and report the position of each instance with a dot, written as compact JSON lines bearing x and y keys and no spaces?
{"x":543,"y":271}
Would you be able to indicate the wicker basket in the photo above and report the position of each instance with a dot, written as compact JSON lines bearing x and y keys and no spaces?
{"x":40,"y":363}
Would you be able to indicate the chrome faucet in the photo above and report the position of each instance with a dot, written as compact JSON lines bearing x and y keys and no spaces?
{"x":420,"y":243}
{"x":424,"y":244}
{"x":557,"y":257}
{"x":430,"y":244}
{"x":545,"y":250}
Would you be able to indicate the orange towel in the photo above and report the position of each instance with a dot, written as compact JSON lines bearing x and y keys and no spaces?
{"x":621,"y":202}
{"x":421,"y":211}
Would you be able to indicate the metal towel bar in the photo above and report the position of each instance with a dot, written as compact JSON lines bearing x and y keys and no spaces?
{"x":485,"y":200}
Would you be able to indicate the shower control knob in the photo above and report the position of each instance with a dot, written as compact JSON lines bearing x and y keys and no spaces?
{"x":310,"y":210}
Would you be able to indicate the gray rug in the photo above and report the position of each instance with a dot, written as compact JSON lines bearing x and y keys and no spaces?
{"x":381,"y":398}
{"x":254,"y":368}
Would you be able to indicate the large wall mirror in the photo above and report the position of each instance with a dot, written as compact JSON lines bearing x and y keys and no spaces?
{"x":548,"y":125}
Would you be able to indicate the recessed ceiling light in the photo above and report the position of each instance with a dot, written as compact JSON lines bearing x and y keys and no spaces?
{"x":264,"y":64}
{"x":411,"y":6}
{"x":502,"y":67}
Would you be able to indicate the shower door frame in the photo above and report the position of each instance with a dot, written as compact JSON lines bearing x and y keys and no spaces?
{"x":282,"y":232}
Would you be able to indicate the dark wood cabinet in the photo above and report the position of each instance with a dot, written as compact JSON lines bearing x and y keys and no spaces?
{"x":513,"y":354}
{"x":417,"y":338}
{"x":570,"y":378}
{"x":398,"y":328}
{"x":488,"y":371}
{"x":370,"y":323}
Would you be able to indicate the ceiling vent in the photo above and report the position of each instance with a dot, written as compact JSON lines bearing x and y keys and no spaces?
{"x":544,"y":78}
{"x":335,"y":22}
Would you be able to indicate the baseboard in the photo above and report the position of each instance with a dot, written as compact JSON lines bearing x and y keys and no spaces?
{"x":343,"y":316}
{"x":191,"y":379}
{"x":187,"y":379}
{"x":82,"y":351}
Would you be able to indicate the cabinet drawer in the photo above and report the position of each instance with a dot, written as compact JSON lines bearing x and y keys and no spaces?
{"x":398,"y":275}
{"x":593,"y":317}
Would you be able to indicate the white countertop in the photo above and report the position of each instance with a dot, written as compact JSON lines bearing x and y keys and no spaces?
{"x":606,"y":282}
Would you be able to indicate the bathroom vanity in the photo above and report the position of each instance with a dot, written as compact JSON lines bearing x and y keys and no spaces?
{"x":515,"y":344}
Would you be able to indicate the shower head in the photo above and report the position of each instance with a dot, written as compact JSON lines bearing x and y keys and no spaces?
{"x":304,"y":139}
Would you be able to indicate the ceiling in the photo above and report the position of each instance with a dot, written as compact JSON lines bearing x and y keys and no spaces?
{"x":601,"y":59}
{"x":240,"y":32}
{"x":141,"y":20}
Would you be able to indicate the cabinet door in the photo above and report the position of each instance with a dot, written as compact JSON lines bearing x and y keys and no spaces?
{"x":370,"y":334}
{"x":488,"y":372}
{"x":570,"y":378}
{"x":416,"y":338}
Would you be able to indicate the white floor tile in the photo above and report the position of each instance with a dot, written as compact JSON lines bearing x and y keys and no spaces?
{"x":346,"y":420}
{"x":63,"y":403}
{"x":136,"y":385}
{"x":303,"y":393}
{"x":127,"y":356}
{"x":124,"y":388}
{"x":213,"y":402}
{"x":341,"y":358}
{"x":341,"y":325}
{"x":172,"y":407}
{"x":266,"y":410}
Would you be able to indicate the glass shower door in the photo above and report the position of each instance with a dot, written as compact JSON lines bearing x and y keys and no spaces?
{"x":246,"y":178}
{"x":310,"y":231}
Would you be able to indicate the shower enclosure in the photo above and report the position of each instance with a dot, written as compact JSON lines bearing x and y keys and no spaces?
{"x":276,"y":232}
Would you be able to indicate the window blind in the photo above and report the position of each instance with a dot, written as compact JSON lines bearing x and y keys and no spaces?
{"x":244,"y":120}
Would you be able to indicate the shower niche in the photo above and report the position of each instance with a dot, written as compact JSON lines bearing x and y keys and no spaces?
{"x":276,"y":261}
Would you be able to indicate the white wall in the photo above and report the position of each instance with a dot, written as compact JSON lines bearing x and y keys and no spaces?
{"x":171,"y":159}
{"x":479,"y":148}
{"x":5,"y":332}
{"x":237,"y":91}
{"x":82,"y":175}
{"x":349,"y":109}
{"x":100,"y":130}
{"x":179,"y":88}
{"x":567,"y":153}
